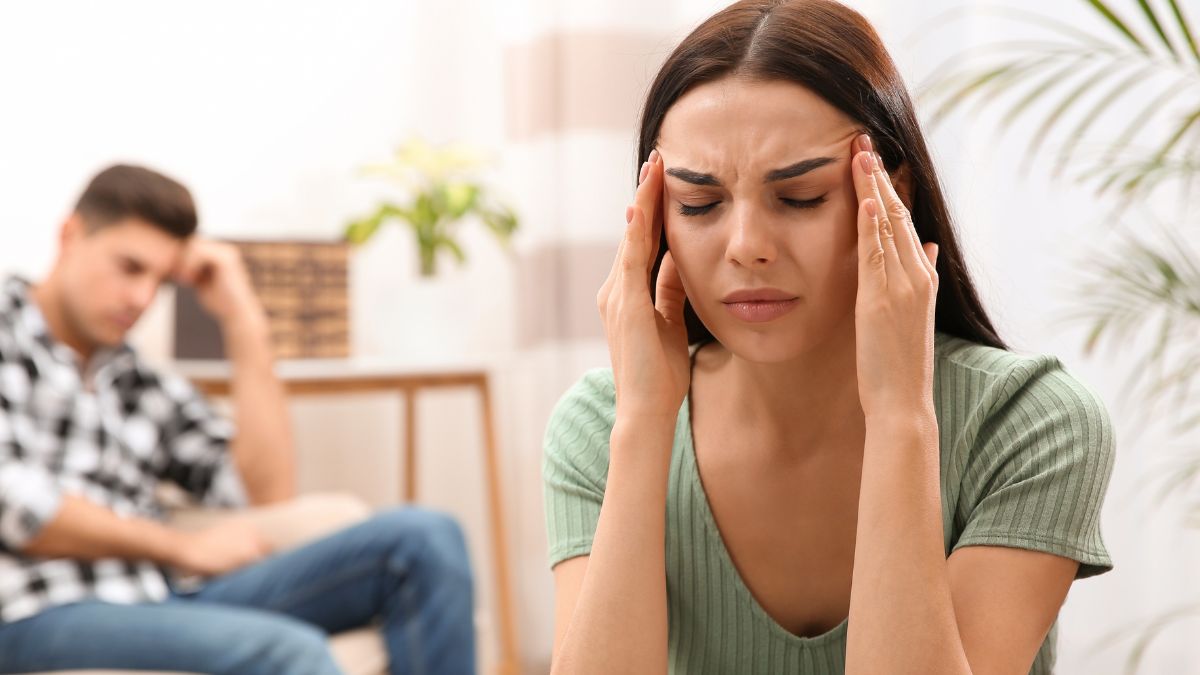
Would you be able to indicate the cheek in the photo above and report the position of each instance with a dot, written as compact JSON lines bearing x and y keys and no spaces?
{"x":696,"y":250}
{"x":828,"y":254}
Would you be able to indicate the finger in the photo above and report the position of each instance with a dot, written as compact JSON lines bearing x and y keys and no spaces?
{"x":669,"y":296}
{"x":931,"y":255}
{"x":614,"y":273}
{"x":191,"y":264}
{"x":647,"y":200}
{"x":871,"y":265}
{"x":887,"y":235}
{"x":908,"y":245}
{"x":633,"y":258}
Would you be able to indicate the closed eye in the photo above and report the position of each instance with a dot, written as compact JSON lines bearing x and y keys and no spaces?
{"x":696,"y":210}
{"x":804,"y":203}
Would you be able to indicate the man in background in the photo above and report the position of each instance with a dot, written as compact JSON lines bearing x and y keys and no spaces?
{"x":88,"y":432}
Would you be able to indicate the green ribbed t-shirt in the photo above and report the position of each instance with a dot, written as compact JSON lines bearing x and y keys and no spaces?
{"x":1026,"y":454}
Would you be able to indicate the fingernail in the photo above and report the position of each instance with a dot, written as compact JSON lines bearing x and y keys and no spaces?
{"x":878,"y":160}
{"x":654,"y":156}
{"x":866,"y":159}
{"x":871,"y":208}
{"x":642,"y":174}
{"x":865,"y":142}
{"x":628,"y":214}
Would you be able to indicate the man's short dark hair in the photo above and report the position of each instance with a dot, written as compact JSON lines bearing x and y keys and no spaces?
{"x":124,"y":191}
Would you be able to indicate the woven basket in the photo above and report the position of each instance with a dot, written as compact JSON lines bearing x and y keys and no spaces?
{"x":303,"y":286}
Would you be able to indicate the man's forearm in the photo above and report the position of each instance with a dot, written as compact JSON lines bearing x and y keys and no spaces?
{"x":86,"y":531}
{"x":262,"y":449}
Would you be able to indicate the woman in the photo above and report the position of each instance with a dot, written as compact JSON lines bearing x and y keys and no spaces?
{"x":846,"y":471}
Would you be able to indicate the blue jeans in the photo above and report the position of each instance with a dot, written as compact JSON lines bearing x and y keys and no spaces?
{"x":405,"y":568}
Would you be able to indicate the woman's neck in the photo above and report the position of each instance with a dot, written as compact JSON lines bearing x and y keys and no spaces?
{"x":808,"y":403}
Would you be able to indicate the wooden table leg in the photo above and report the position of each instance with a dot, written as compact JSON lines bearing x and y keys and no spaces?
{"x":408,"y":450}
{"x":504,"y":608}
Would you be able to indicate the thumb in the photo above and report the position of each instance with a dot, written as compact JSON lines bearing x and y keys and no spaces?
{"x":931,"y":252}
{"x":669,"y":294}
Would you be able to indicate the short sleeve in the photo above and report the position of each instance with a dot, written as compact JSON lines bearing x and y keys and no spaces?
{"x":196,"y":439}
{"x":575,"y":464}
{"x":30,"y":496}
{"x":1040,"y":467}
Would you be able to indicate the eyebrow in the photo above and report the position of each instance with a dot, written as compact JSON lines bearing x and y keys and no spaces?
{"x":791,"y":171}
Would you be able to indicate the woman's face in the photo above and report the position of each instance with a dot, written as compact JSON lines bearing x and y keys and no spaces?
{"x":760,"y":214}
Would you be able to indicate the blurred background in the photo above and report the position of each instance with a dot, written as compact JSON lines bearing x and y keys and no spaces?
{"x":1065,"y":133}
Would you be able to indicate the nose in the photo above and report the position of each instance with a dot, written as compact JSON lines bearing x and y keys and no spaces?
{"x":750,"y":241}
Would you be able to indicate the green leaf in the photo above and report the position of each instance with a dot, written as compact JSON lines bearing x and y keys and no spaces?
{"x":979,"y":81}
{"x":1185,"y":29}
{"x":361,"y":230}
{"x":1152,"y":17}
{"x":502,"y":222}
{"x":1117,"y":23}
{"x":459,"y":199}
{"x":1055,"y":78}
{"x":1165,"y":149}
{"x":1103,"y":103}
{"x":452,"y":246}
{"x":1067,"y":102}
{"x":1147,"y":635}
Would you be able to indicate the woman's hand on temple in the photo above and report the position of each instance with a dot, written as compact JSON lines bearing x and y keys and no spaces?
{"x":647,"y":340}
{"x":897,"y":293}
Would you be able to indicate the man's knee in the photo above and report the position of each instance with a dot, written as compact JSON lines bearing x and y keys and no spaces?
{"x":434,"y":538}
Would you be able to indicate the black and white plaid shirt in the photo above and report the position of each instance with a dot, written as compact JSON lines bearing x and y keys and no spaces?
{"x":111,"y":435}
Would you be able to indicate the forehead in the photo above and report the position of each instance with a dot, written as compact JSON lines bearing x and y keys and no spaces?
{"x":735,"y":124}
{"x":141,"y":241}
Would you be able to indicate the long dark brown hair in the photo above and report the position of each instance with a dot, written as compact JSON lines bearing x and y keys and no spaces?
{"x":834,"y":52}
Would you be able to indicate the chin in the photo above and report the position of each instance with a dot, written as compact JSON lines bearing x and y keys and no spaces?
{"x":108,"y":338}
{"x":779,"y":342}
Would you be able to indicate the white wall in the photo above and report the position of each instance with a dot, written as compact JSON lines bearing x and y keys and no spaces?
{"x":266,"y":108}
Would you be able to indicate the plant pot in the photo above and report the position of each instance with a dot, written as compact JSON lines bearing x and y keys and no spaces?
{"x":399,"y":315}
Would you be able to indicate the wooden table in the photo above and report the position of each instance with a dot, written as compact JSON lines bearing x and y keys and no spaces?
{"x":339,"y":376}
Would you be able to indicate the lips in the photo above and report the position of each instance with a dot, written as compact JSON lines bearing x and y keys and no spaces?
{"x":759,"y":305}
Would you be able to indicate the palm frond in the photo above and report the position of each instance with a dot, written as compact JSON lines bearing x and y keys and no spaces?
{"x":1185,"y":29}
{"x":1151,"y":632}
{"x":1140,"y":287}
{"x":1086,"y":76}
{"x":1064,"y":105}
{"x":1103,"y":103}
{"x":1121,"y":27}
{"x":1152,"y":19}
{"x":1041,"y":21}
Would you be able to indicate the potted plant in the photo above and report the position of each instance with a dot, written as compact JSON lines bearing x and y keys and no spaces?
{"x":423,"y":311}
{"x":442,"y":192}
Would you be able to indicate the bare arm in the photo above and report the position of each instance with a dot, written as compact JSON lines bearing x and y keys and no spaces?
{"x":618,"y":595}
{"x":86,"y":531}
{"x":83,"y":530}
{"x":262,"y":449}
{"x":911,"y":609}
{"x":612,"y":611}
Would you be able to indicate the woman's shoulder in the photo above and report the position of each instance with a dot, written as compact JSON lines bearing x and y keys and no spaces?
{"x":593,"y":395}
{"x":583,"y":418}
{"x":977,"y":384}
